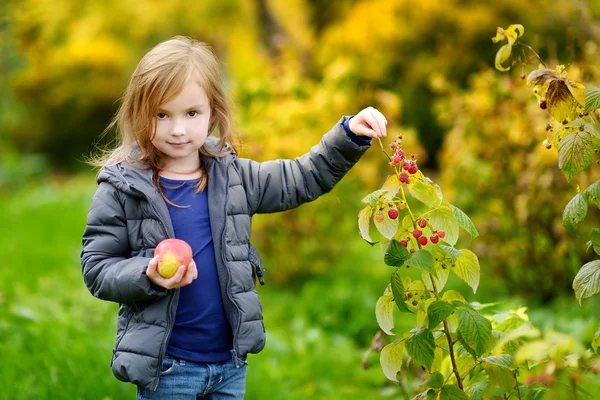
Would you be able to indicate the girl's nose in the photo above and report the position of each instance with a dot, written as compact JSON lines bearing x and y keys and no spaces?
{"x":178,"y":130}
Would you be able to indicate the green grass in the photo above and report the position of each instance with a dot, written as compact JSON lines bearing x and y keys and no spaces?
{"x":56,"y":339}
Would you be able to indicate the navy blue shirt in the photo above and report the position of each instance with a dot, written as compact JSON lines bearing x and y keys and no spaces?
{"x":201,"y":332}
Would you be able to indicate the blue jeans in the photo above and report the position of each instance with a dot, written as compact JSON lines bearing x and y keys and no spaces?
{"x":183,"y":380}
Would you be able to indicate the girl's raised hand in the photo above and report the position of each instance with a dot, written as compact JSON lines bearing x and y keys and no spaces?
{"x":369,"y":122}
{"x":184,"y":275}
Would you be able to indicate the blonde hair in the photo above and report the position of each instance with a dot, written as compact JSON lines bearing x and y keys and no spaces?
{"x":160,"y":76}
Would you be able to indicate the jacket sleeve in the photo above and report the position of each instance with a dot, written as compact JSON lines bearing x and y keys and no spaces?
{"x":109,"y":271}
{"x":279,"y":185}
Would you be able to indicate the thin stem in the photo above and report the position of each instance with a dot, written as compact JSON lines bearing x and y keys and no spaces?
{"x":449,"y":338}
{"x":515,"y":373}
{"x":383,"y":149}
{"x":408,"y":207}
{"x":533,"y":51}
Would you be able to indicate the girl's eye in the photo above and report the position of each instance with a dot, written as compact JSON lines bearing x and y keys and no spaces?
{"x":193,"y":113}
{"x":161,"y":115}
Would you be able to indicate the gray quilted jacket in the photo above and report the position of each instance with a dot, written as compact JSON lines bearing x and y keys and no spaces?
{"x":128,"y":218}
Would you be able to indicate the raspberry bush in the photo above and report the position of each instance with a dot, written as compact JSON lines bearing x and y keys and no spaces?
{"x":457,"y":349}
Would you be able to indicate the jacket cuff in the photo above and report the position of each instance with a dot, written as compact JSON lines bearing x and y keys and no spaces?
{"x":359,"y":140}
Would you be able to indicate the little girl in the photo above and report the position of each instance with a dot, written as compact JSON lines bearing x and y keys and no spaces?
{"x":175,"y":175}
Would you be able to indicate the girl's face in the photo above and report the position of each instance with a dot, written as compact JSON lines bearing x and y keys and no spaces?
{"x":182,"y":127}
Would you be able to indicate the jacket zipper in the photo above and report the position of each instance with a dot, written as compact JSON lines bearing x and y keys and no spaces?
{"x":235,"y":351}
{"x":170,"y":322}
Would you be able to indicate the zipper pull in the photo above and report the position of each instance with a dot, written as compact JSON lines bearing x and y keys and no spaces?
{"x":260,"y":273}
{"x":235,"y":358}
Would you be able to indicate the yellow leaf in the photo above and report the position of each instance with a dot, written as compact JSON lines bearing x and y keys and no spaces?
{"x":391,"y":359}
{"x":502,"y":55}
{"x":384,"y":311}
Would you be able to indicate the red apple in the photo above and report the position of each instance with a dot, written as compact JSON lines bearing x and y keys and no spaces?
{"x":172,"y":253}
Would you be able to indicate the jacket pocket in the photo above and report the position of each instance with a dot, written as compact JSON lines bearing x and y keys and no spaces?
{"x":257,"y":268}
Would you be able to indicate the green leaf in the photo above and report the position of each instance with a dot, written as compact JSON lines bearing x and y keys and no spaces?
{"x":503,"y":360}
{"x":593,"y":192}
{"x":452,"y":295}
{"x":575,"y":212}
{"x":440,"y":278}
{"x":391,"y":359}
{"x":575,"y":153}
{"x":466,"y":267}
{"x":372,"y":198}
{"x":384,"y":311}
{"x":398,"y":292}
{"x":502,"y":55}
{"x":596,"y":342}
{"x":594,"y":131}
{"x":596,"y":240}
{"x":364,"y":223}
{"x":437,"y":312}
{"x":443,"y":219}
{"x":561,"y":103}
{"x":424,"y":192}
{"x":587,"y":281}
{"x":533,"y":392}
{"x":422,"y":260}
{"x":476,"y":391}
{"x":463,"y":342}
{"x":420,"y":345}
{"x":504,"y":342}
{"x":452,"y":392}
{"x":429,"y":394}
{"x":435,"y":381}
{"x":464,"y":221}
{"x":499,"y":376}
{"x":447,"y":252}
{"x":592,"y":98}
{"x":396,"y":254}
{"x":476,"y":330}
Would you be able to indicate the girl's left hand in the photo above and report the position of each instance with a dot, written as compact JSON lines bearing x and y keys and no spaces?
{"x":369,"y":122}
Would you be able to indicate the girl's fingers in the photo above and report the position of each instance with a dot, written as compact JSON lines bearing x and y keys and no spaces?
{"x":373,"y":120}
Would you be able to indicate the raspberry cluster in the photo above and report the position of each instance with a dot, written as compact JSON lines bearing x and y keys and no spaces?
{"x":417,"y":233}
{"x":409,"y":166}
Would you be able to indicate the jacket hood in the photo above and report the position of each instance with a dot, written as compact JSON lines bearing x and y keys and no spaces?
{"x":136,"y":178}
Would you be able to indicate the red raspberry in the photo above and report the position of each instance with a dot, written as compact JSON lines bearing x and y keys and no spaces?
{"x":413,"y":169}
{"x":404,"y":242}
{"x":543,"y":104}
{"x":417,"y":233}
{"x":422,"y":223}
{"x":401,"y":153}
{"x":434,"y":239}
{"x":406,"y":165}
{"x":396,"y":160}
{"x":393,"y":213}
{"x":403,"y":177}
{"x":441,"y":234}
{"x":423,"y":240}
